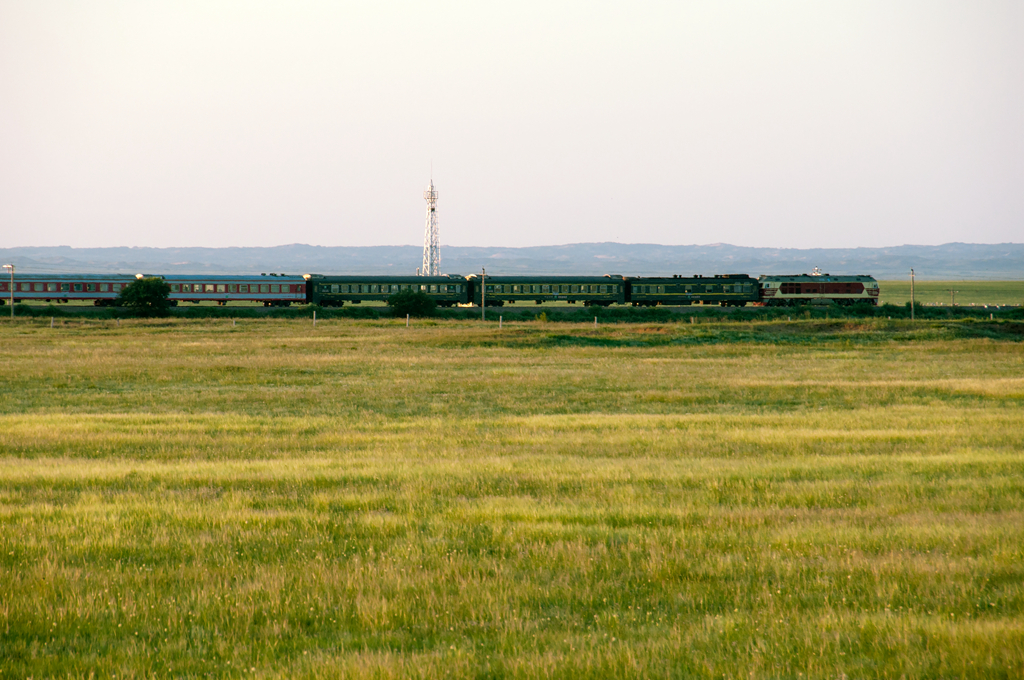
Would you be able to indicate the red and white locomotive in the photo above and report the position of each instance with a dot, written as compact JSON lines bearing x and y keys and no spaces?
{"x":817,"y":288}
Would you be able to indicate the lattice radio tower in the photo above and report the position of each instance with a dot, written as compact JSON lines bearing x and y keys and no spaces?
{"x":431,"y":244}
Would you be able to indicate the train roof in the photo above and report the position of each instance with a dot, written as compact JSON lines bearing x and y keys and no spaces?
{"x":814,"y":277}
{"x":263,"y":278}
{"x":412,"y":278}
{"x":561,"y":278}
{"x":168,"y":277}
{"x":71,"y":277}
{"x":695,"y":277}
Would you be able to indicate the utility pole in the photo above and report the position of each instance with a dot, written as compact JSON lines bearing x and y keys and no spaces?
{"x":911,"y":293}
{"x":952,"y":297}
{"x":11,"y":267}
{"x":483,"y":292}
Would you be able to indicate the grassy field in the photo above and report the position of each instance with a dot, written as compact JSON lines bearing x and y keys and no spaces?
{"x":262,"y":499}
{"x":968,"y":292}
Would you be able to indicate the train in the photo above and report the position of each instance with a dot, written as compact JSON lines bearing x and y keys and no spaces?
{"x":282,"y":290}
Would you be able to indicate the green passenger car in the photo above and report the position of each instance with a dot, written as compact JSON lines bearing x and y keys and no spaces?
{"x":334,"y":291}
{"x":727,"y":290}
{"x":588,"y":290}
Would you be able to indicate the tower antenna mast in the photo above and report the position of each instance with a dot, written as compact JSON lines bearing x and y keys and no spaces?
{"x":431,"y":242}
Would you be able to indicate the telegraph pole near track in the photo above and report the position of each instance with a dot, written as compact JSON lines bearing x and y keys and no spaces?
{"x":911,"y":293}
{"x":11,"y":267}
{"x":483,"y":292}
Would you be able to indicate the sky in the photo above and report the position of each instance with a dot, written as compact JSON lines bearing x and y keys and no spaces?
{"x":768,"y":124}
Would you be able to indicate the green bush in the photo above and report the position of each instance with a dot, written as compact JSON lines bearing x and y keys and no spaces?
{"x":411,"y":302}
{"x":145,"y":297}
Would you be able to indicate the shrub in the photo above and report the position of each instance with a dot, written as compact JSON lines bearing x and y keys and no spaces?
{"x":411,"y":302}
{"x":145,"y":297}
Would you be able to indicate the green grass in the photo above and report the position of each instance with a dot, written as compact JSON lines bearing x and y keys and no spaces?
{"x":262,"y":499}
{"x":968,"y":292}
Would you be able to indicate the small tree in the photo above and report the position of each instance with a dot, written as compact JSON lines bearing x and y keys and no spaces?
{"x":411,"y":302}
{"x":145,"y":297}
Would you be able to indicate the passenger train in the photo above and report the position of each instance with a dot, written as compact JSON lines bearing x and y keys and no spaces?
{"x":281,"y":290}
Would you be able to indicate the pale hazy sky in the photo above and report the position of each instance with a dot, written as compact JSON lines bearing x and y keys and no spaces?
{"x":788,"y":124}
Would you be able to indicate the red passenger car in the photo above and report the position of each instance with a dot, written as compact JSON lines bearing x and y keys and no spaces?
{"x":101,"y":289}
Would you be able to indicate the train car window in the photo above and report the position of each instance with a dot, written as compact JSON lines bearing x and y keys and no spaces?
{"x":38,"y":287}
{"x":264,"y":287}
{"x":78,"y":288}
{"x":275,"y":288}
{"x":222,"y":288}
{"x":51,"y":287}
{"x":209,"y":288}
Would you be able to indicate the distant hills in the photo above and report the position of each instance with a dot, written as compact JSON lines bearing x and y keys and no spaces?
{"x":948,"y":261}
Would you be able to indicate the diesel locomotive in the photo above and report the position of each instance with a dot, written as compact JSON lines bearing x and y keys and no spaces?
{"x":802,"y":289}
